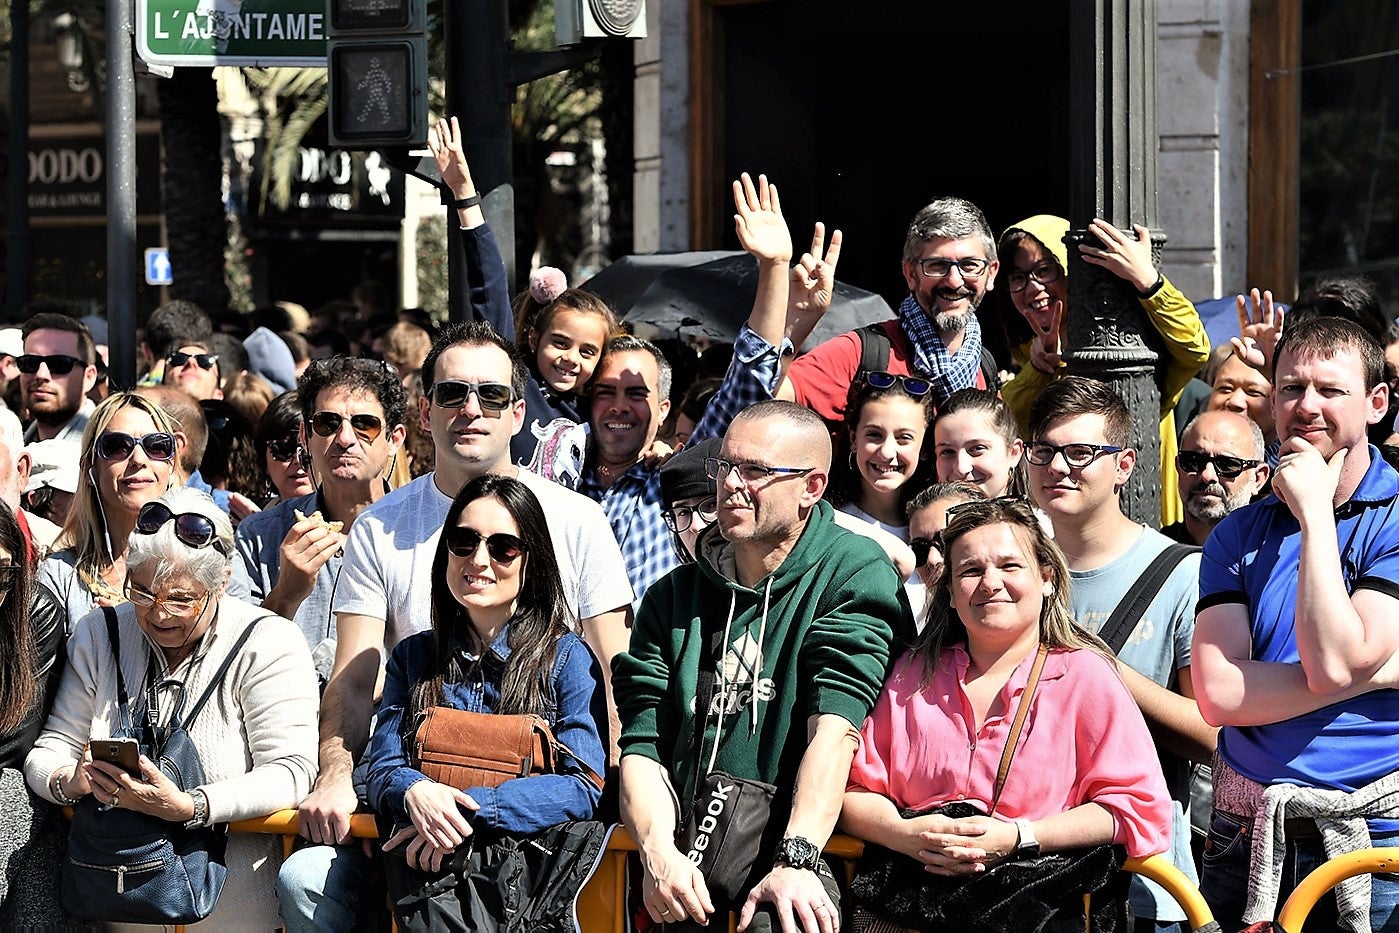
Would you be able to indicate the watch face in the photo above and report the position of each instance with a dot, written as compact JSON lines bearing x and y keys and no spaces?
{"x":798,"y":852}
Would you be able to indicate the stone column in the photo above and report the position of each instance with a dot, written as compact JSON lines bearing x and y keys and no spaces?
{"x":1112,"y":117}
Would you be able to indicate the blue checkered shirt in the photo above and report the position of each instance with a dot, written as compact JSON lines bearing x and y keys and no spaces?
{"x":633,"y":503}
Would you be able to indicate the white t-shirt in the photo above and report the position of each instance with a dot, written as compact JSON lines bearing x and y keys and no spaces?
{"x":387,"y":573}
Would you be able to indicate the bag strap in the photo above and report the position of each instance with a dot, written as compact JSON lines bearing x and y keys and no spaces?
{"x":874,"y":348}
{"x":588,"y":772}
{"x":704,"y":697}
{"x":114,"y":639}
{"x":1022,"y":712}
{"x":1123,"y":621}
{"x":223,"y":670}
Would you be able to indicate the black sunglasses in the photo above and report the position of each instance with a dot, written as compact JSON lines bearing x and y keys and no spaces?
{"x":202,"y":360}
{"x":114,"y":445}
{"x":191,"y":528}
{"x":1194,"y":461}
{"x":366,"y":427}
{"x":922,"y":547}
{"x":493,"y":396}
{"x":463,"y":542}
{"x":913,"y":385}
{"x":283,"y":449}
{"x":59,"y":364}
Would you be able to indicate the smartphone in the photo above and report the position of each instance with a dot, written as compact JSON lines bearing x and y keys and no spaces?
{"x":125,"y":753}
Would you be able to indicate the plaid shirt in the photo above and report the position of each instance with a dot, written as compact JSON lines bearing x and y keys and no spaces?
{"x":633,"y":503}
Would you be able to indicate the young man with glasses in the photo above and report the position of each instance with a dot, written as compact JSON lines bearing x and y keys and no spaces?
{"x":949,"y":264}
{"x":352,"y":428}
{"x":1080,"y":456}
{"x":472,"y":405}
{"x":56,"y":371}
{"x":793,"y":623}
{"x":1221,"y":468}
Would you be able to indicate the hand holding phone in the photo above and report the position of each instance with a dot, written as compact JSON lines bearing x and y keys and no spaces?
{"x":124,"y":753}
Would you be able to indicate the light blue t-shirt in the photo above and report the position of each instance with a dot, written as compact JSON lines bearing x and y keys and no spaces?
{"x":1156,"y":649}
{"x":258,"y":563}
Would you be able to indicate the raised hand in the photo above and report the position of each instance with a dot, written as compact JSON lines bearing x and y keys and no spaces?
{"x":445,"y":142}
{"x":1260,"y":329}
{"x":813,"y":285}
{"x":1127,"y":257}
{"x":1046,"y":346}
{"x":758,"y":222}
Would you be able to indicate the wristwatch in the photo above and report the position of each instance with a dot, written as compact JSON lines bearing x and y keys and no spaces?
{"x":796,"y":852}
{"x":201,"y":810}
{"x":1028,"y":846}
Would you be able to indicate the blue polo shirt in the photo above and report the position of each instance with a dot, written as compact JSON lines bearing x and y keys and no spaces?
{"x":1252,"y":558}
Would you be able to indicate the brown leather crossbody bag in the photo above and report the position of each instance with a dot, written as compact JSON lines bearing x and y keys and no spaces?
{"x":463,"y":749}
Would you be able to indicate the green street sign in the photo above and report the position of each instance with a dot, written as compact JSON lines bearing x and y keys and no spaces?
{"x":287,"y":33}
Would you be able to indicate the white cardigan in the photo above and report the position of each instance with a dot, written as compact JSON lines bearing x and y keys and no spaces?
{"x":257,"y":736}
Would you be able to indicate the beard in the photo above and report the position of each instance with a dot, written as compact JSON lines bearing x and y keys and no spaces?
{"x":1218,"y":504}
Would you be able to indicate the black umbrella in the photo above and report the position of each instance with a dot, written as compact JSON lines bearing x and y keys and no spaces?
{"x":711,"y":292}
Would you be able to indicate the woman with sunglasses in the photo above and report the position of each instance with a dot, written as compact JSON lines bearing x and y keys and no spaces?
{"x":500,"y":643}
{"x":127,"y":459}
{"x":1084,"y":772}
{"x":927,"y":517}
{"x":277,"y":440}
{"x":257,"y":736}
{"x":31,"y":831}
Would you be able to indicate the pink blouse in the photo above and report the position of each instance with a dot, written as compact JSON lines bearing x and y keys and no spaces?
{"x":1084,"y":741}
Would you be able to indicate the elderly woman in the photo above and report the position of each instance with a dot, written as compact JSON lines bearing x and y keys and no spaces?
{"x":127,"y":459}
{"x":257,"y":735}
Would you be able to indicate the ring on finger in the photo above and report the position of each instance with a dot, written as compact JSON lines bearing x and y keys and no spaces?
{"x":116,"y":795}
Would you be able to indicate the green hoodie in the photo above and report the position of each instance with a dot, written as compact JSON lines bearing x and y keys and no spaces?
{"x":822,"y":626}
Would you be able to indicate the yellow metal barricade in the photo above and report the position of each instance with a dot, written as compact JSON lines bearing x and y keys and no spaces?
{"x":1326,"y":876}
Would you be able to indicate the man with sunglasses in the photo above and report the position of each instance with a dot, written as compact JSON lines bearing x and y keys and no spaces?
{"x":949,"y":264}
{"x":56,"y":371}
{"x":1221,"y":468}
{"x":173,"y":325}
{"x":193,"y":369}
{"x":1080,"y":456}
{"x":352,"y":428}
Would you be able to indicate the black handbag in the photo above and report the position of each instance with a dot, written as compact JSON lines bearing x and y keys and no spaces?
{"x":130,"y":867}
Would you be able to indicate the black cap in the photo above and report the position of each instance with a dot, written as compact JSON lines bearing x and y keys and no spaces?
{"x":683,"y":476}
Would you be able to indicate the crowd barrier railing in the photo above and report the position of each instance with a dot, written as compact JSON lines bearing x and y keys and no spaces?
{"x":1326,"y":876}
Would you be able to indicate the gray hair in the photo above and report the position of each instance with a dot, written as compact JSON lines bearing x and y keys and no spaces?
{"x":951,"y":219}
{"x":169,"y":555}
{"x":629,"y":344}
{"x":1260,"y":446}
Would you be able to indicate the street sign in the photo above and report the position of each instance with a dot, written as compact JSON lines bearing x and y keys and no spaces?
{"x":158,"y":266}
{"x":269,"y":33}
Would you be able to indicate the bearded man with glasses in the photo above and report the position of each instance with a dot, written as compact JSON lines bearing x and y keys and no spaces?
{"x":56,"y":371}
{"x":1221,"y":466}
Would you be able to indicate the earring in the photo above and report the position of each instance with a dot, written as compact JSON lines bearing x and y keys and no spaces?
{"x":851,"y":458}
{"x":1048,"y":589}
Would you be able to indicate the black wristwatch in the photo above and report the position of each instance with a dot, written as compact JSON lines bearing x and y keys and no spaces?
{"x":796,"y":852}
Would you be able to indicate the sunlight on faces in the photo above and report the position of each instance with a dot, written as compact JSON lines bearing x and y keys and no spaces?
{"x":51,"y":398}
{"x":1323,"y":400}
{"x":569,"y":349}
{"x":1062,"y":490}
{"x":1207,"y":495}
{"x":345,"y":455}
{"x":968,"y":448}
{"x":470,"y":436}
{"x":951,"y":300}
{"x":1035,"y":299}
{"x":288,"y":477}
{"x":926,"y":523}
{"x":997,"y":587}
{"x":126,"y":485}
{"x":627,"y":408}
{"x":1241,"y":388}
{"x":191,"y":378}
{"x":172,"y":632}
{"x":888,"y":442}
{"x":486,"y":588}
{"x":698,"y":523}
{"x":771,"y":509}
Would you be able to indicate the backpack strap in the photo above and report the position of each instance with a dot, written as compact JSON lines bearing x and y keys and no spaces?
{"x":1123,"y":621}
{"x":223,"y":670}
{"x":874,"y":348}
{"x":990,"y":371}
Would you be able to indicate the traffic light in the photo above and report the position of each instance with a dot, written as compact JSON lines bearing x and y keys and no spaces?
{"x":377,"y":61}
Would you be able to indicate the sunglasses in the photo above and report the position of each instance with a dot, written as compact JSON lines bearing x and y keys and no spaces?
{"x":59,"y":364}
{"x":1195,"y":461}
{"x":922,"y":547}
{"x":463,"y":542}
{"x":283,"y":449}
{"x":191,"y":528}
{"x":1013,"y":504}
{"x":114,"y":445}
{"x":914,"y":386}
{"x":202,"y":360}
{"x":492,"y":396}
{"x":366,"y":427}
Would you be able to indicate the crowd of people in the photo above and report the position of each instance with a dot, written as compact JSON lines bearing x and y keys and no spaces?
{"x":885,"y":584}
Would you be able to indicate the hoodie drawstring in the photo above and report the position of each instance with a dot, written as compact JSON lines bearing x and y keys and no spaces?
{"x":758,"y":666}
{"x":723,"y":684}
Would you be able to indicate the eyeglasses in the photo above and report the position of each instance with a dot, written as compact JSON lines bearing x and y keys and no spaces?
{"x":922,"y":547}
{"x":913,"y":385}
{"x":191,"y":528}
{"x":463,"y":542}
{"x":182,"y":606}
{"x":59,"y":364}
{"x":970,"y":268}
{"x":114,"y":445}
{"x":680,"y":517}
{"x":492,"y":396}
{"x":202,"y":360}
{"x":1044,"y":274}
{"x":366,"y":427}
{"x":1075,"y":455}
{"x":1194,"y":461}
{"x":283,"y":449}
{"x":717,"y":469}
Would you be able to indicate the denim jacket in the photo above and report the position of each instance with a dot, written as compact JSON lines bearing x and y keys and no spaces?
{"x":522,"y":805}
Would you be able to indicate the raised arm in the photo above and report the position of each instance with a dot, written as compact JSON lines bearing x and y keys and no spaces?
{"x":763,"y":233}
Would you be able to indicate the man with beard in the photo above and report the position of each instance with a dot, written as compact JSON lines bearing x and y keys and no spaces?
{"x":56,"y":371}
{"x":949,"y":264}
{"x":1221,"y":468}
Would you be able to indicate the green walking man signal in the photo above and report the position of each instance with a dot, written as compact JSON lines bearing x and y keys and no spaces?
{"x":377,"y":70}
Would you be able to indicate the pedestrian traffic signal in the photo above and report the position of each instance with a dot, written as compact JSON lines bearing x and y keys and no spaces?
{"x":377,"y":61}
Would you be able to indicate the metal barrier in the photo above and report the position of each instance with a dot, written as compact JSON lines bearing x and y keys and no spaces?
{"x":1160,"y":869}
{"x":1326,"y":876}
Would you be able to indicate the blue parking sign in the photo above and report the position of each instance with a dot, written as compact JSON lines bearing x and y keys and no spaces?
{"x":158,"y":266}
